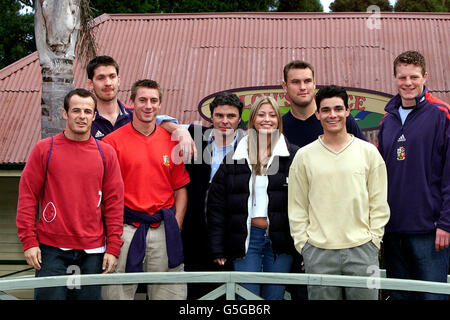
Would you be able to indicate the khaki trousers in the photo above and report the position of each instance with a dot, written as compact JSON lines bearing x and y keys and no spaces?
{"x":155,"y":260}
{"x":357,"y":261}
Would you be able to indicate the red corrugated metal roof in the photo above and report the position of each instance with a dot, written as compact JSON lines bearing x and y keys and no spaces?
{"x":195,"y":55}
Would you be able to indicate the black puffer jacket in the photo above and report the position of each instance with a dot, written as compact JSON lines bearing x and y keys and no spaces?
{"x":194,"y":232}
{"x":227,"y":208}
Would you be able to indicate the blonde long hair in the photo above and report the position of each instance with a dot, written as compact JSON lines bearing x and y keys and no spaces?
{"x":260,"y":165}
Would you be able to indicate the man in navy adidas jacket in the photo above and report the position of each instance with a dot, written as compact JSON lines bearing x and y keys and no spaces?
{"x":414,"y":140}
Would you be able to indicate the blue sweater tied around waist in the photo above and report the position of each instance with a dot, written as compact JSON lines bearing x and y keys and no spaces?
{"x":136,"y":252}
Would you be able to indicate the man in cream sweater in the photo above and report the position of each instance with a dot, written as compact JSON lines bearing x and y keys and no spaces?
{"x":337,"y":201}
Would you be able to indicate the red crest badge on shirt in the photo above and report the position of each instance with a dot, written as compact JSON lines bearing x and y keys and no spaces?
{"x":166,"y":160}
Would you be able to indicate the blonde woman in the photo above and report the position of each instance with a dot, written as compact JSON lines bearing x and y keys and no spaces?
{"x":247,"y":202}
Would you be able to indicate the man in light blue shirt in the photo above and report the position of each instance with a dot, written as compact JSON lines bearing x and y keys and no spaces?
{"x":213,"y":144}
{"x":218,"y":153}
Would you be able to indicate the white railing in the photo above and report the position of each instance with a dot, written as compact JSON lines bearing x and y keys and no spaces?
{"x":230,"y":282}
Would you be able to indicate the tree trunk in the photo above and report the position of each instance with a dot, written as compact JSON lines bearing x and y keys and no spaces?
{"x":57,"y":23}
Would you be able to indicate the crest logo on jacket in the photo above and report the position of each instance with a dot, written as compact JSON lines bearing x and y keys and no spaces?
{"x":401,"y":153}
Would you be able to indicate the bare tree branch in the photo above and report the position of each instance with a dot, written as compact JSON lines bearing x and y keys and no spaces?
{"x":86,"y":47}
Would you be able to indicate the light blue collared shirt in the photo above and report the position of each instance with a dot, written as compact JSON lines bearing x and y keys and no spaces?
{"x":404,"y":113}
{"x":163,"y":117}
{"x":218,"y":153}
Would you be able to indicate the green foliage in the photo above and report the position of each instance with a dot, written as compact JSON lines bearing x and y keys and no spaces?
{"x":124,"y":6}
{"x":178,"y":6}
{"x":422,"y":6}
{"x":299,"y":6}
{"x":218,"y":6}
{"x":16,"y":32}
{"x":359,"y":5}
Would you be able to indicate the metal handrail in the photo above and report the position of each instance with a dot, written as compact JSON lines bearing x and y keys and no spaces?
{"x":230,"y":279}
{"x":16,"y":272}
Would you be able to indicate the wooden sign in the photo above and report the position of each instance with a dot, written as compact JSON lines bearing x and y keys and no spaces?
{"x":366,"y":106}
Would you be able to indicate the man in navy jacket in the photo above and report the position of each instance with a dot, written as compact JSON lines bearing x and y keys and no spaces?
{"x":103,"y":81}
{"x":414,"y":140}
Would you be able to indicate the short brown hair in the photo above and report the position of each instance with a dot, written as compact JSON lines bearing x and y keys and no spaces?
{"x":98,"y":62}
{"x":145,"y":83}
{"x":297,"y":64}
{"x":226,"y":98}
{"x":79,"y":92}
{"x":410,"y":57}
{"x":331,"y":91}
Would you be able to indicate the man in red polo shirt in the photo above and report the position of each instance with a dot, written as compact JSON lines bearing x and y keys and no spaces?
{"x":155,"y":197}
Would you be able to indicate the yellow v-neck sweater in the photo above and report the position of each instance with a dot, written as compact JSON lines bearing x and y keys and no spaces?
{"x":337,"y":200}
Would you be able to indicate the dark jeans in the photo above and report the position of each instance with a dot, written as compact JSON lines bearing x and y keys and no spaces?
{"x":414,"y":256}
{"x":59,"y":262}
{"x":260,"y":258}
